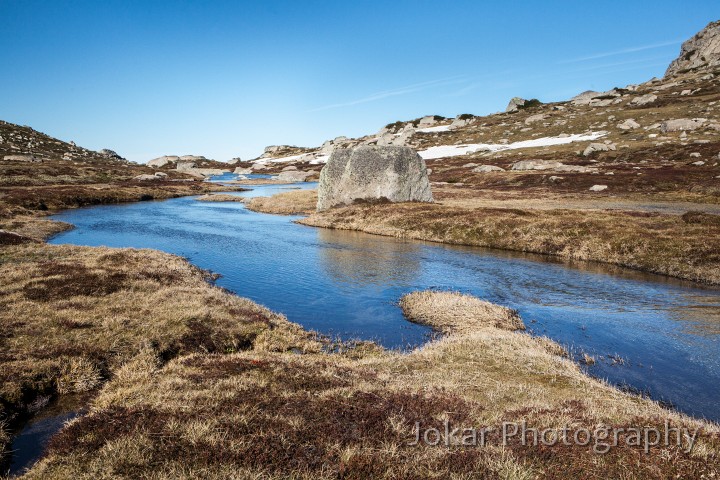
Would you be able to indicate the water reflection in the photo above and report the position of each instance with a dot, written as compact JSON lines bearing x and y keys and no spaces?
{"x":357,"y":259}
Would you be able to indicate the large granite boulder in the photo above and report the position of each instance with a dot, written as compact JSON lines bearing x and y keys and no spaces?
{"x":163,"y":161}
{"x":701,"y":50}
{"x":397,"y":174}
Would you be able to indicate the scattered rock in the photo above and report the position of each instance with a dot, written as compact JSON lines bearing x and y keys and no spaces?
{"x":699,"y":163}
{"x":289,"y":167}
{"x":695,"y":155}
{"x":681,"y":124}
{"x":22,"y":158}
{"x":470,"y":165}
{"x":243,"y":171}
{"x":598,"y":188}
{"x":145,"y":178}
{"x":644,"y":99}
{"x":598,"y":147}
{"x":487,"y":169}
{"x":397,"y":174}
{"x":536,"y":165}
{"x":535,"y":118}
{"x":556,"y":179}
{"x":628,"y":124}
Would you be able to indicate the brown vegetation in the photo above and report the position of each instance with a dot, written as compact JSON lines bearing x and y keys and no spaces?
{"x":258,"y":414}
{"x":220,"y":197}
{"x":70,"y":317}
{"x":664,"y":244}
{"x":286,"y":203}
{"x":453,"y":312}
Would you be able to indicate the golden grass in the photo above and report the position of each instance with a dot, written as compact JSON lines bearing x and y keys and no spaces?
{"x":220,"y":197}
{"x":71,"y":316}
{"x":453,"y":312}
{"x":679,"y":246}
{"x":286,"y":203}
{"x":258,"y":414}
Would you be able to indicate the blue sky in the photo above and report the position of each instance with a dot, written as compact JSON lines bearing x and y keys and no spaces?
{"x":226,"y":78}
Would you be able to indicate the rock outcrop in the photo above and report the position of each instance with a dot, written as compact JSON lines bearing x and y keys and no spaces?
{"x":292,"y":176}
{"x":516,"y":103}
{"x":163,"y":161}
{"x":397,"y":174}
{"x":701,"y":50}
{"x":682,"y":124}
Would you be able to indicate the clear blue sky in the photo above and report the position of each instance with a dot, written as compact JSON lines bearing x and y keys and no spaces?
{"x":226,"y":78}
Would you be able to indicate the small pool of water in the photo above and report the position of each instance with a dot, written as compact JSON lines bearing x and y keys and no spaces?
{"x":30,"y":442}
{"x":649,"y":332}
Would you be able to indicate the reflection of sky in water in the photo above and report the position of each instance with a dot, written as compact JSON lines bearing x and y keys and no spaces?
{"x":348,"y":283}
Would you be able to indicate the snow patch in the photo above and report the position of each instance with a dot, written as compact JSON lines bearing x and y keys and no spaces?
{"x":441,"y":128}
{"x":457,"y":150}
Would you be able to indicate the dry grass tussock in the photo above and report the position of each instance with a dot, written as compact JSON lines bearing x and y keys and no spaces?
{"x":259,"y":414}
{"x":453,"y":312}
{"x":686,"y":247}
{"x":286,"y":203}
{"x":219,"y":197}
{"x":70,"y":317}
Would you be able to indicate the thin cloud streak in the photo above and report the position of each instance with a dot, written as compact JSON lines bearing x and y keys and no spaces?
{"x":621,"y":52}
{"x":416,"y":87}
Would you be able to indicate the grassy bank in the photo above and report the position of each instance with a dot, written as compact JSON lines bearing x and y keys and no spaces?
{"x":682,"y":246}
{"x":72,"y":317}
{"x":272,"y":414}
{"x":286,"y":203}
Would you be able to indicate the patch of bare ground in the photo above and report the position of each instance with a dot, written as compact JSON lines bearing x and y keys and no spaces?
{"x":665,"y":244}
{"x":286,"y":203}
{"x":259,"y":414}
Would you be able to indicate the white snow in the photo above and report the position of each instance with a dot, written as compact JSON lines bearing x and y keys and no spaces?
{"x":292,"y":158}
{"x":264,"y":161}
{"x":456,"y":150}
{"x":441,"y":128}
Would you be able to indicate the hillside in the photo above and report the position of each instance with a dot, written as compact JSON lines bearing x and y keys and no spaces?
{"x":658,"y":140}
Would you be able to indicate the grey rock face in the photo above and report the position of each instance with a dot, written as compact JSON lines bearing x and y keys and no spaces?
{"x":515,"y":104}
{"x":162,"y":161}
{"x":110,"y":154}
{"x":628,"y":124}
{"x":427,"y":121}
{"x":701,"y":50}
{"x":584,"y":98}
{"x":292,"y":176}
{"x":644,"y":99}
{"x":243,"y":171}
{"x":682,"y":124}
{"x":396,"y":173}
{"x":598,"y":147}
{"x":184,"y":164}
